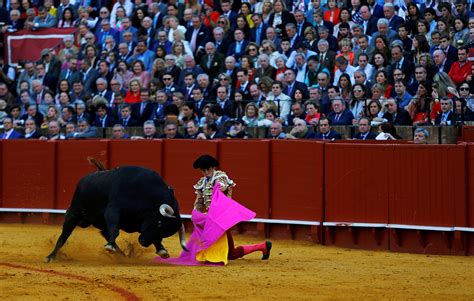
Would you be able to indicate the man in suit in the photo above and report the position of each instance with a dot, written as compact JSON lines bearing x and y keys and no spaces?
{"x":102,"y":118}
{"x":104,"y":31}
{"x":369,"y":21}
{"x":220,"y":42}
{"x":212,"y":63}
{"x":237,"y":48}
{"x":71,"y":74}
{"x":89,"y":75}
{"x":293,"y":85}
{"x":163,"y":41}
{"x":32,"y":113}
{"x":127,"y":29}
{"x":189,"y":67}
{"x":327,"y":57}
{"x":189,"y":85}
{"x":259,"y":31}
{"x":301,"y":23}
{"x":31,"y":130}
{"x":226,"y":8}
{"x":340,"y":114}
{"x":400,"y":62}
{"x":143,"y":111}
{"x":8,"y":130}
{"x":393,"y":20}
{"x":364,"y":130}
{"x":395,"y":114}
{"x":365,"y":48}
{"x":216,"y":114}
{"x":325,"y":130}
{"x":101,"y":86}
{"x":197,"y":36}
{"x":265,"y":68}
{"x":126,"y":119}
{"x":223,"y":101}
{"x":385,"y":31}
{"x":199,"y":102}
{"x":449,"y":50}
{"x":243,"y":83}
{"x":84,"y":131}
{"x":441,"y":62}
{"x":446,"y":117}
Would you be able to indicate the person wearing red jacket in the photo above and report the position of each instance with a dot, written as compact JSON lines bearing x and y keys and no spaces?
{"x":460,"y":69}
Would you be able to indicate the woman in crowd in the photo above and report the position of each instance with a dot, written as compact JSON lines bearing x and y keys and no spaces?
{"x":210,"y":16}
{"x":412,"y":17}
{"x":345,"y":46}
{"x":419,"y":46}
{"x":420,"y":107}
{"x":122,"y":74}
{"x":133,"y":94}
{"x":380,"y":63}
{"x":247,"y":63}
{"x":381,"y":77}
{"x":251,"y":115}
{"x":67,"y":19}
{"x":461,"y":32}
{"x":344,"y":17}
{"x":357,"y":101}
{"x":345,"y":86}
{"x":243,"y":25}
{"x":139,"y":72}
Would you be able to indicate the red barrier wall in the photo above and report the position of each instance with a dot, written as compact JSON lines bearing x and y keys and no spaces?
{"x":147,"y":153}
{"x":427,"y":188}
{"x":72,"y":165}
{"x":28,"y":173}
{"x":468,"y":133}
{"x":179,"y":156}
{"x":404,"y":184}
{"x":356,"y":190}
{"x":248,"y":163}
{"x":296,"y":180}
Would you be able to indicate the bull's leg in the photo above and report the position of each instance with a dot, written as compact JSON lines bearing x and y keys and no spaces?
{"x":70,"y":223}
{"x":160,"y":250}
{"x":108,"y":247}
{"x":112,"y":220}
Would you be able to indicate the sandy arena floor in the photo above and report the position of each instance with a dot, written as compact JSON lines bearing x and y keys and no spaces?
{"x":296,"y":271}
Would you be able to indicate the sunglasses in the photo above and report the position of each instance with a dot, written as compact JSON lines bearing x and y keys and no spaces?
{"x":220,"y":22}
{"x":103,"y":12}
{"x":464,"y":89}
{"x":223,"y":78}
{"x":252,"y":49}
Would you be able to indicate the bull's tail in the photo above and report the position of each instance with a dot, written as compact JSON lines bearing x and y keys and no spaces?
{"x":97,"y":163}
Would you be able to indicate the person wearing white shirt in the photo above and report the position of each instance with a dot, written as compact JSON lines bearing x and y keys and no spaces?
{"x":282,"y":101}
{"x":343,"y":66}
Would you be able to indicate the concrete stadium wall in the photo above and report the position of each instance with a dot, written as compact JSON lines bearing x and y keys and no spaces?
{"x":398,"y":197}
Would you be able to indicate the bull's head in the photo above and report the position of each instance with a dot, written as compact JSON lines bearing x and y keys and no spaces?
{"x":162,"y":225}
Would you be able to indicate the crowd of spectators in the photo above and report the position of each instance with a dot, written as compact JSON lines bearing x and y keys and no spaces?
{"x":215,"y":67}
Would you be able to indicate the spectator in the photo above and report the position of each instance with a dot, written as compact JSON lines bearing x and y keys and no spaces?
{"x":396,"y":115}
{"x":237,"y":130}
{"x":53,"y":132}
{"x":364,"y":130}
{"x":387,"y":132}
{"x":9,"y":131}
{"x":461,"y":69}
{"x":149,"y":131}
{"x":276,"y":131}
{"x":421,"y":136}
{"x":446,"y":116}
{"x":171,"y":131}
{"x":325,"y":131}
{"x":84,"y":131}
{"x":300,"y":130}
{"x":31,"y":129}
{"x":340,"y":114}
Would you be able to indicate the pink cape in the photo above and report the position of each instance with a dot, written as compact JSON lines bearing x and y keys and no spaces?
{"x":224,"y":213}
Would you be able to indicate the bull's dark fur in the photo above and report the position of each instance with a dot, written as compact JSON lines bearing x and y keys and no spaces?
{"x":126,"y":198}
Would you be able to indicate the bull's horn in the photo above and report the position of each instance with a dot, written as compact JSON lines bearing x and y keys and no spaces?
{"x":167,"y":211}
{"x":182,"y":238}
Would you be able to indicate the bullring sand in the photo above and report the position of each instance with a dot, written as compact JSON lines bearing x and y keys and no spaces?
{"x":296,"y":271}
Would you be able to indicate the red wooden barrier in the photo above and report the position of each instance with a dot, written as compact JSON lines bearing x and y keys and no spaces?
{"x":427,"y":187}
{"x":1,"y":174}
{"x":177,"y":170}
{"x":470,"y":198}
{"x":248,"y":164}
{"x":28,"y":173}
{"x":467,"y":133}
{"x":356,"y":191}
{"x":296,"y":180}
{"x":147,"y":153}
{"x":71,"y":162}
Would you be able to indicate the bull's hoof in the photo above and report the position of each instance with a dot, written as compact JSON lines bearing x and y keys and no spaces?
{"x":110,"y":248}
{"x":48,"y":259}
{"x":163,"y":253}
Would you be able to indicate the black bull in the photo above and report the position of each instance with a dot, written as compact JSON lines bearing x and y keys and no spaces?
{"x":129,"y":198}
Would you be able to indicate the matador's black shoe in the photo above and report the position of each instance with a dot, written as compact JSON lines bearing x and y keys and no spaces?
{"x":268,"y":247}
